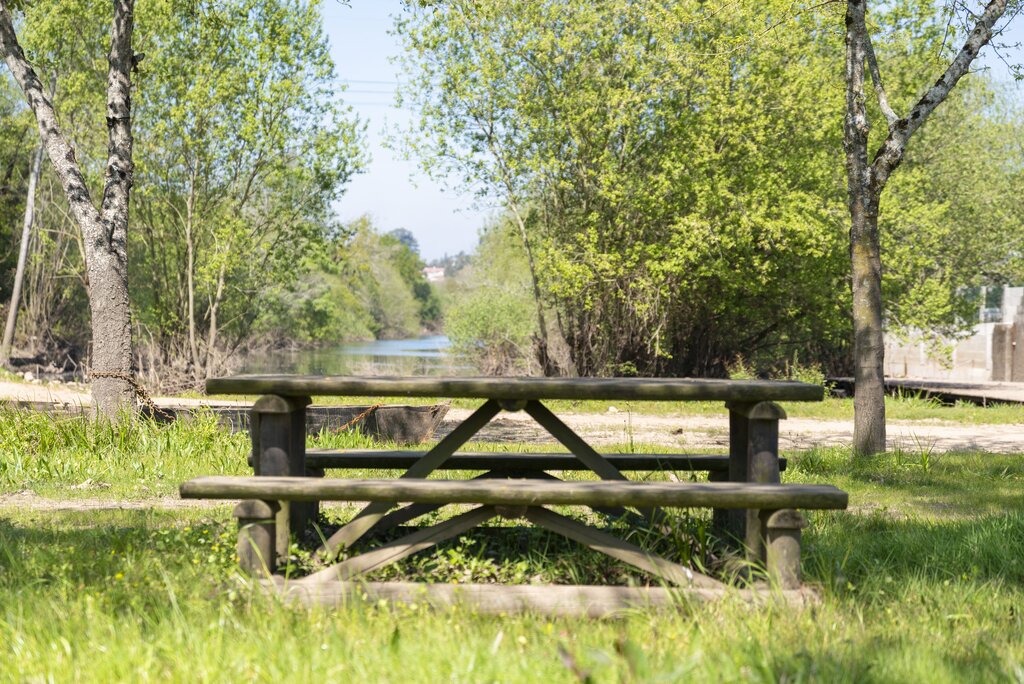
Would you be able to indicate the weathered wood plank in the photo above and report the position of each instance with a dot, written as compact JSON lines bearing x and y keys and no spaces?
{"x":617,"y":389}
{"x":485,"y":460}
{"x":782,"y":539}
{"x":401,"y":548}
{"x":555,"y":600}
{"x":619,"y":549}
{"x":762,"y":468}
{"x":257,"y":536}
{"x":521,"y":492}
{"x":278,"y":434}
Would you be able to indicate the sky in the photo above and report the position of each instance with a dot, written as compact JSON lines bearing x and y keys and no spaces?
{"x":394,"y":191}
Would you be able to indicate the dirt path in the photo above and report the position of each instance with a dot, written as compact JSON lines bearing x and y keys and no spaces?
{"x":703,"y":432}
{"x":30,"y":501}
{"x":63,"y":394}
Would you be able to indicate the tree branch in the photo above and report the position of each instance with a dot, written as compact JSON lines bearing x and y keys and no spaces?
{"x":890,"y":154}
{"x":891,"y":117}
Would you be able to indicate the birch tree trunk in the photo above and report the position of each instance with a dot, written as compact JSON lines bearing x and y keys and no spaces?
{"x":26,"y":239}
{"x":865,"y":183}
{"x":104,"y":229}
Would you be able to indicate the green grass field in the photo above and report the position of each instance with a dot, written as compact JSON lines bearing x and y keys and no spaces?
{"x":921,"y":580}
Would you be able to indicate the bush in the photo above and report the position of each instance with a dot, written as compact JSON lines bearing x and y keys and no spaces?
{"x":491,"y":327}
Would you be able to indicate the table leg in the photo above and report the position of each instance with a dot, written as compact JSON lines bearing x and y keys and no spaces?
{"x":753,"y":457}
{"x":277,"y":427}
{"x":587,"y":455}
{"x":366,"y":519}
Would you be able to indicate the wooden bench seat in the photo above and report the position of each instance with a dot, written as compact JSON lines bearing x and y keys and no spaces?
{"x":377,"y":459}
{"x":262,"y":538}
{"x":526,"y":492}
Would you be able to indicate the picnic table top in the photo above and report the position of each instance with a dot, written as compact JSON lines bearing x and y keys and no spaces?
{"x":518,"y":389}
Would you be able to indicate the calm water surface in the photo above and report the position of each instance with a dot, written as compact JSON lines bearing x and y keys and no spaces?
{"x":422,"y":356}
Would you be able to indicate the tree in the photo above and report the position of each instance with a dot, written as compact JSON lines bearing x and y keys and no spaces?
{"x":866,"y":180}
{"x":463,"y":82}
{"x":26,"y":238}
{"x":489,"y":319}
{"x":243,"y":150}
{"x":405,"y":236}
{"x":636,"y":156}
{"x":104,"y":228}
{"x":679,"y":176}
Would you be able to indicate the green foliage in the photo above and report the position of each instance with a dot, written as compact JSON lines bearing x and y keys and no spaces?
{"x":681,"y":170}
{"x":362,"y":285}
{"x":650,"y":195}
{"x":403,"y":252}
{"x":491,"y":320}
{"x":951,"y":219}
{"x":44,"y":450}
{"x":241,"y":147}
{"x":17,"y":136}
{"x":374,"y":268}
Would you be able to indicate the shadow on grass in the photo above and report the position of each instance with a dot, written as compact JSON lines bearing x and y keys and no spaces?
{"x":106,"y":550}
{"x":965,"y":484}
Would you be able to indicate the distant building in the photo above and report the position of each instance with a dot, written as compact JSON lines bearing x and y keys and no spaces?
{"x":434,"y":274}
{"x":993,"y":352}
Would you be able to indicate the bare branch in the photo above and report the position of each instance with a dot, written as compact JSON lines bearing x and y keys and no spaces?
{"x":891,"y":117}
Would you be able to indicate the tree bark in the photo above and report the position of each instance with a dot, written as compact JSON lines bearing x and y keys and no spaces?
{"x":19,"y":274}
{"x":104,"y":230}
{"x":865,"y":183}
{"x":865,"y":252}
{"x":211,"y":342}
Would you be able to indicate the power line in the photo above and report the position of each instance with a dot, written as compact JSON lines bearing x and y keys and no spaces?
{"x":361,"y":82}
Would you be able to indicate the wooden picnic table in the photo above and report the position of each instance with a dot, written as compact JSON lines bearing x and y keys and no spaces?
{"x":278,"y":432}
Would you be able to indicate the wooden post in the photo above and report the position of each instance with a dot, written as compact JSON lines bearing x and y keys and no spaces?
{"x":730,"y":525}
{"x":782,"y":538}
{"x":277,"y":426}
{"x":754,"y":457}
{"x":257,"y":536}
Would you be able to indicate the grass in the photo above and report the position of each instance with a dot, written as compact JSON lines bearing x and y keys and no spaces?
{"x":921,"y":580}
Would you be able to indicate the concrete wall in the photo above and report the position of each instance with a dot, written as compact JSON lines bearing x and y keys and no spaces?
{"x":971,"y":362}
{"x":994,"y":352}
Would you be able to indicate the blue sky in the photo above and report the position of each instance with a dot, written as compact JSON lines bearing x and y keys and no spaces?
{"x":391,"y":190}
{"x":394,"y":191}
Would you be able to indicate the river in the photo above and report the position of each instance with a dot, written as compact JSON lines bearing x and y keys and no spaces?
{"x":421,"y":356}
